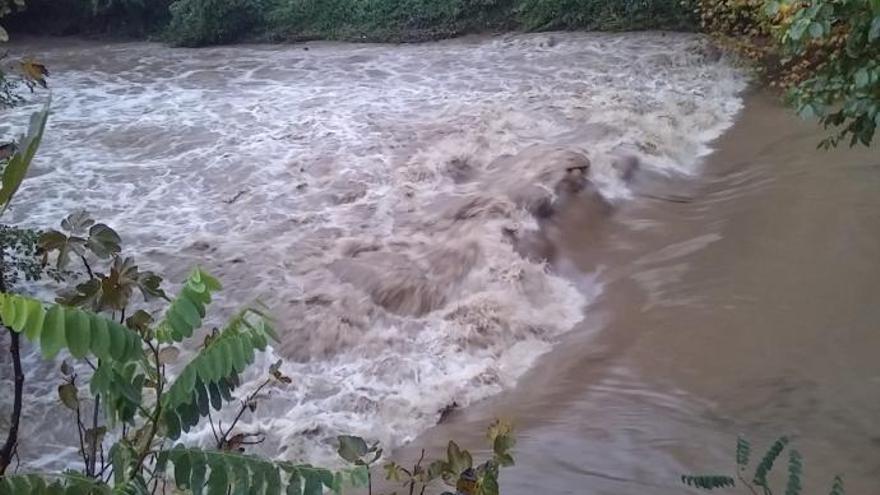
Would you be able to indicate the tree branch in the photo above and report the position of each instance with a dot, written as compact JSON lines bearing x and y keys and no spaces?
{"x":157,"y":413}
{"x":88,"y":268}
{"x":244,"y":405}
{"x":9,"y":447}
{"x":93,"y":444}
{"x":746,"y":483}
{"x":11,"y":443}
{"x":79,"y":431}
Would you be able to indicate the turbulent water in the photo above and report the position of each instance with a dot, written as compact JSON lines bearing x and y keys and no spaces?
{"x":384,"y":201}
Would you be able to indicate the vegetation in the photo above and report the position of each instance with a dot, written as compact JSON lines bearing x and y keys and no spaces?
{"x":760,"y":479}
{"x":822,"y":53}
{"x":209,"y":22}
{"x":202,"y":22}
{"x":131,"y":18}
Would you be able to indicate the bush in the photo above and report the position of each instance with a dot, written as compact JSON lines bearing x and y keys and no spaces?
{"x":210,"y":22}
{"x":761,"y":477}
{"x":384,"y":20}
{"x":822,"y":53}
{"x":604,"y":15}
{"x":416,"y":20}
{"x":134,"y":18}
{"x":203,"y":22}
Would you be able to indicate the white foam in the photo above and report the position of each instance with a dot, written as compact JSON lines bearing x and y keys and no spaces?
{"x":346,"y":149}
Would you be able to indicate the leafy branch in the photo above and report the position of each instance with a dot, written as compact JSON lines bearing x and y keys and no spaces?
{"x":762,"y":471}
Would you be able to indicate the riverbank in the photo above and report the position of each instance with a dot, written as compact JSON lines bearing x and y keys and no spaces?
{"x":204,"y":22}
{"x":745,"y":306}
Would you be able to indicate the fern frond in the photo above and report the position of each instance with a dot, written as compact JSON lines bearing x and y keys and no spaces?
{"x":184,"y":315}
{"x":218,"y":473}
{"x":38,"y":484}
{"x":208,"y":379}
{"x":837,"y":487}
{"x":766,"y":464}
{"x":59,"y":327}
{"x":708,"y":482}
{"x":795,"y":471}
{"x":743,"y":452}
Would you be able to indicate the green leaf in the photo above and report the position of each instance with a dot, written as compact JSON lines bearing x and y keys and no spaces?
{"x":78,"y":334}
{"x":69,"y":396}
{"x":351,"y":448}
{"x":150,"y":286}
{"x":503,"y":443}
{"x":797,"y":30}
{"x":168,"y":355}
{"x":140,"y":321}
{"x":743,"y":450}
{"x":218,"y":482}
{"x":708,"y":482}
{"x":172,"y":423}
{"x":874,"y":31}
{"x":795,"y":471}
{"x":360,"y":476}
{"x":100,"y":342}
{"x":77,"y":222}
{"x":837,"y":487}
{"x":766,"y":464}
{"x":8,"y":311}
{"x":187,"y":310}
{"x":314,"y":485}
{"x":52,"y":337}
{"x":458,"y":459}
{"x":118,"y":342}
{"x":181,"y":462}
{"x":103,"y":241}
{"x":807,"y":111}
{"x":21,"y":314}
{"x":242,"y":478}
{"x":816,"y":30}
{"x":862,"y":78}
{"x":216,"y":366}
{"x":489,"y":485}
{"x":199,"y":468}
{"x":18,"y":164}
{"x":294,"y":483}
{"x":35,"y":321}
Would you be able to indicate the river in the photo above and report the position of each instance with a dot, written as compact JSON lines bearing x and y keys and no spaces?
{"x":378,"y":199}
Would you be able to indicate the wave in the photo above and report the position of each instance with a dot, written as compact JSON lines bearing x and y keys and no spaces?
{"x":386,"y":201}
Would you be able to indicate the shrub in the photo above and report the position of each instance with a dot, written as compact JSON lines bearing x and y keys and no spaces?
{"x":760,"y":478}
{"x":134,"y":18}
{"x":822,"y":53}
{"x":209,"y":22}
{"x":604,"y":15}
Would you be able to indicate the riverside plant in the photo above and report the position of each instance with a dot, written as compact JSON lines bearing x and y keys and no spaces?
{"x":758,"y":483}
{"x":117,"y":382}
{"x":821,"y":53}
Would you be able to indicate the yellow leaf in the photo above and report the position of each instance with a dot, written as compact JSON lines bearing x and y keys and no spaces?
{"x":34,"y":72}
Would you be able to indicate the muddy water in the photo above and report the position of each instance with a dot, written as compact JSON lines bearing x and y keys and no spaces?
{"x":414,"y":217}
{"x":744,"y":305}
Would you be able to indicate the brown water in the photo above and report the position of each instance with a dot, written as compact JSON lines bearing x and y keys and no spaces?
{"x":750,"y":308}
{"x":394,"y":205}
